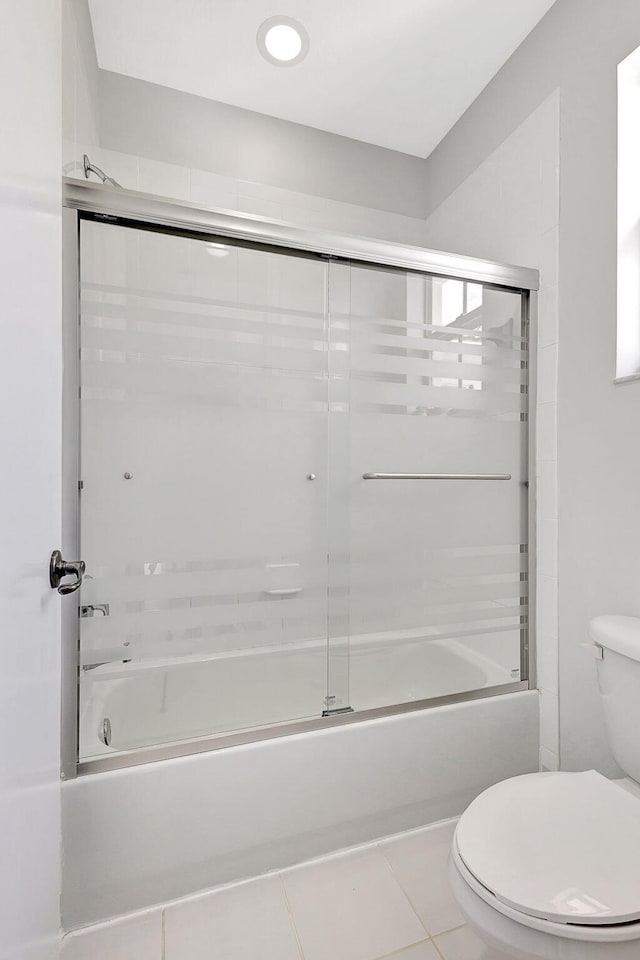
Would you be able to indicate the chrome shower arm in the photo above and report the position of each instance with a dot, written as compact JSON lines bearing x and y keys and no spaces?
{"x":91,"y":168}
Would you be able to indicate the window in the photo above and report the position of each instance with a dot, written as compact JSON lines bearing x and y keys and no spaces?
{"x":628,"y":343}
{"x":457,"y":305}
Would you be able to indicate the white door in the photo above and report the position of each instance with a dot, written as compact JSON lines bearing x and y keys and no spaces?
{"x":30,"y":418}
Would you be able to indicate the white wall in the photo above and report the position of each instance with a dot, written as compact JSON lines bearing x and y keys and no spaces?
{"x":576,"y":49}
{"x":30,"y":389}
{"x":80,"y":87}
{"x":163,"y":124}
{"x":507,"y":210}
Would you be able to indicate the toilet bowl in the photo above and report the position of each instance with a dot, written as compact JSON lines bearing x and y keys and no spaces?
{"x":547,"y":866}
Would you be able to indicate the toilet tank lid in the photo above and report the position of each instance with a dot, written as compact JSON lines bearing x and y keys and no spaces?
{"x":620,"y":634}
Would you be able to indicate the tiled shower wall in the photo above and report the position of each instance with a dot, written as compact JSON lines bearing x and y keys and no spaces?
{"x":508,"y":210}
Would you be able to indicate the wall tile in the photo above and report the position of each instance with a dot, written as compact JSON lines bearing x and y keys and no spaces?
{"x":550,"y":195}
{"x":548,"y":318}
{"x":71,"y":161}
{"x":547,"y":432}
{"x":548,"y":548}
{"x":547,"y":605}
{"x":550,"y":257}
{"x":163,"y":179}
{"x":547,"y":374}
{"x":549,"y":721}
{"x":547,"y":652}
{"x":259,"y":207}
{"x":211,"y":190}
{"x":547,"y":489}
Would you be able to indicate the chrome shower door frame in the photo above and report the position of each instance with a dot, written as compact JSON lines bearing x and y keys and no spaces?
{"x":112,"y":204}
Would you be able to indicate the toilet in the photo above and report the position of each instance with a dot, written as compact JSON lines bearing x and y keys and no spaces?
{"x":546,"y":866}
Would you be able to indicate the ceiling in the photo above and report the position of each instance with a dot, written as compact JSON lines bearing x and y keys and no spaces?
{"x":396,"y":73}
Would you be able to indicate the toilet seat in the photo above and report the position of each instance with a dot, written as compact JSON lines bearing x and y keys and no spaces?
{"x":583,"y":933}
{"x":558,"y":851}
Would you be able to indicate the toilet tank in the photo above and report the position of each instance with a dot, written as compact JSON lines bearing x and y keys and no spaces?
{"x":619,"y":682}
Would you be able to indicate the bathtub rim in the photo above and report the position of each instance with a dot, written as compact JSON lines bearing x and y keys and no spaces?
{"x":183,"y":748}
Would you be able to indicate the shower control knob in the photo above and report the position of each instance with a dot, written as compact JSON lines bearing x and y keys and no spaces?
{"x":311,"y":476}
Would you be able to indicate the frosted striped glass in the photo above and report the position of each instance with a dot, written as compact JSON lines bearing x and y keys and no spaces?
{"x":239,"y":592}
{"x":205,"y":378}
{"x":435,"y":381}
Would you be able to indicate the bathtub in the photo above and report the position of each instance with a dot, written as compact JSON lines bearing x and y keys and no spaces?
{"x":143,"y":835}
{"x":160,"y":701}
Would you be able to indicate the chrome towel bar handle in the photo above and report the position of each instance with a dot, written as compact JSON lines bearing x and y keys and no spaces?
{"x":436,"y":476}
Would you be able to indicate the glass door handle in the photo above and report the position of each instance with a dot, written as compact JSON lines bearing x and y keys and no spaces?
{"x":59,"y":569}
{"x":436,"y":476}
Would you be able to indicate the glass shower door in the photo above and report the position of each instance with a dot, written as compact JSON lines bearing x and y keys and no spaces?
{"x":204,"y":474}
{"x":438,"y":568}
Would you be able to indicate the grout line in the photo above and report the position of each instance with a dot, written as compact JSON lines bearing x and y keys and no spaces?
{"x":163,"y":954}
{"x":403,"y":891}
{"x":458,"y":926}
{"x":398,"y":953}
{"x":434,"y":940}
{"x":291,"y":918}
{"x":437,"y":949}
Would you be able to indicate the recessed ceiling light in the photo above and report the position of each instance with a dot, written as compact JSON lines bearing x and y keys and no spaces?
{"x":283,"y":41}
{"x":217,"y":249}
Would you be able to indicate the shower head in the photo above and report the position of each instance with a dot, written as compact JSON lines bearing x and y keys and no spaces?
{"x":90,"y":168}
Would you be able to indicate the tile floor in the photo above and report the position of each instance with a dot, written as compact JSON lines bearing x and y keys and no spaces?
{"x":386,"y":900}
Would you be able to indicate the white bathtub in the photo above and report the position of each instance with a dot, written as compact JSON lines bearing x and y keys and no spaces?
{"x":161,"y":701}
{"x":143,"y":835}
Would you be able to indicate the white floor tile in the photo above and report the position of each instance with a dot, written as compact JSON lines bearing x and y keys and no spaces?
{"x":138,"y":938}
{"x":463,"y":944}
{"x":242,"y":922}
{"x":350,"y":907}
{"x":419,"y":862}
{"x":421,"y":951}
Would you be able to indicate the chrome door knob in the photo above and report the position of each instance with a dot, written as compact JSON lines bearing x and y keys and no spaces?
{"x":59,"y":569}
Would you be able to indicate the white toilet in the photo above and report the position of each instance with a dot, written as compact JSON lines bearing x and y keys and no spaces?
{"x":547,"y":865}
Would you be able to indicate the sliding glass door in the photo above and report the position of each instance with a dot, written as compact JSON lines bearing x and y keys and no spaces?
{"x":438,"y":404}
{"x":204,"y":447}
{"x":247,"y":564}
